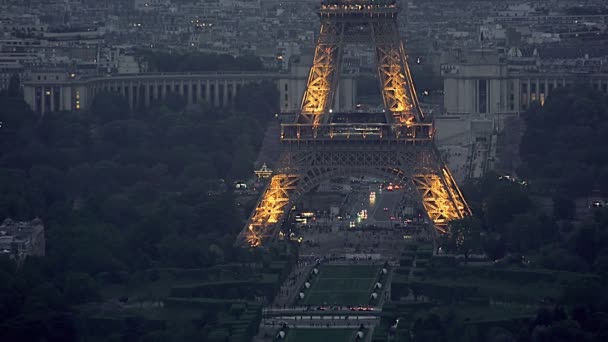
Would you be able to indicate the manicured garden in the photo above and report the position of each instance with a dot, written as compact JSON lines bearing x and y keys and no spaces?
{"x":342,"y":285}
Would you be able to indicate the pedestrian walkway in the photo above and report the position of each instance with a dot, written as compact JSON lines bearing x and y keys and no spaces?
{"x":289,"y":289}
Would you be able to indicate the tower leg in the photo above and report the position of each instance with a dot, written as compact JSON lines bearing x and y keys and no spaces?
{"x":322,"y":79}
{"x":270,"y":210}
{"x":396,"y":83}
{"x":439,"y":193}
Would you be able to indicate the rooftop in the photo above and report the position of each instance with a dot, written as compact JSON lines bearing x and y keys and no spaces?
{"x":19,"y":229}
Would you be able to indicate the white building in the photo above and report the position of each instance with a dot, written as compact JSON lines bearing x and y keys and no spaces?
{"x":483,"y":90}
{"x":59,"y":91}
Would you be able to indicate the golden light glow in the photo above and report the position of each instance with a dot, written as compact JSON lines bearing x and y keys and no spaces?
{"x":398,"y":91}
{"x":271,"y":208}
{"x":441,"y":198}
{"x":319,"y":89}
{"x":440,"y":195}
{"x":264,"y":172}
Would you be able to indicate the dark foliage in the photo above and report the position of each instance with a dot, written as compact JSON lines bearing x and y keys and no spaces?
{"x":565,"y":148}
{"x":118,"y":193}
{"x":192,"y":62}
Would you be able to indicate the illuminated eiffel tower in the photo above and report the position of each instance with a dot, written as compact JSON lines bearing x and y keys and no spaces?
{"x":396,"y":145}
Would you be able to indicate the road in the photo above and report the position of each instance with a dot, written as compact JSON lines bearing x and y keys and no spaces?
{"x":359,"y":200}
{"x":389,"y":200}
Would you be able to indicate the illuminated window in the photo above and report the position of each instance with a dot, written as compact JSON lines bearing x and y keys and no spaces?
{"x":77,"y":99}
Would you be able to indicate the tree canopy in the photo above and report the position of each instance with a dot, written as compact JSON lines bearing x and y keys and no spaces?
{"x":195,"y":61}
{"x":565,"y":148}
{"x":119,"y":192}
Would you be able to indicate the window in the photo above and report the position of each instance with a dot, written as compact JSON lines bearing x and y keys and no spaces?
{"x":77,"y":99}
{"x":482,"y":96}
{"x":511,"y":102}
{"x":285,"y":86}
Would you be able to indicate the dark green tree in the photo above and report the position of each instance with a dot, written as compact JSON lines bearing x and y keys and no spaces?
{"x":109,"y":106}
{"x":464,"y":236}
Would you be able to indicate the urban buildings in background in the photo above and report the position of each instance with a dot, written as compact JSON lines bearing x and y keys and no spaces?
{"x":496,"y":58}
{"x":19,"y":240}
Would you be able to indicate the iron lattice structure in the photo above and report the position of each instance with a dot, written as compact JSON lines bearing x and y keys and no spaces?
{"x":319,"y":146}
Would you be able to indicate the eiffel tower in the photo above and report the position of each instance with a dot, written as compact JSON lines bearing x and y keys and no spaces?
{"x":396,"y":145}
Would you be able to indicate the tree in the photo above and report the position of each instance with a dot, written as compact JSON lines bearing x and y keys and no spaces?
{"x":493,"y":246}
{"x":555,"y":258}
{"x":464,"y":236}
{"x":506,"y":200}
{"x":428,"y":329}
{"x":527,"y":231}
{"x":196,"y":61}
{"x":499,"y":334}
{"x":567,"y":153}
{"x":261,"y":100}
{"x":175,"y":102}
{"x":585,"y":243}
{"x":563,"y":208}
{"x":242,"y":162}
{"x":80,"y":288}
{"x":120,"y":193}
{"x":109,"y":106}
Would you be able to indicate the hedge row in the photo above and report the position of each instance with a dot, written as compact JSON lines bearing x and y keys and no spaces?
{"x":443,"y":293}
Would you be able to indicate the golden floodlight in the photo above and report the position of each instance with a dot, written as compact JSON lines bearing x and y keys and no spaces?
{"x":316,"y":147}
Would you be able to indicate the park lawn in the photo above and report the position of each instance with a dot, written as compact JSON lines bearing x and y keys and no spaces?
{"x":310,"y":335}
{"x":349,"y":271}
{"x":342,"y":285}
